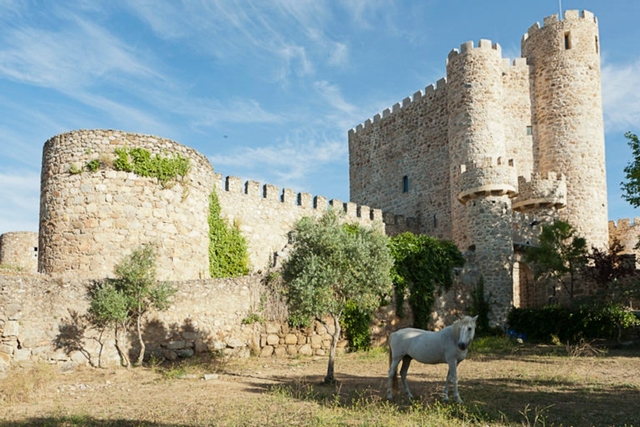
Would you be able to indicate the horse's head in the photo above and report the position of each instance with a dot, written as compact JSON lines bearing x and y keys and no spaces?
{"x":466,"y":328}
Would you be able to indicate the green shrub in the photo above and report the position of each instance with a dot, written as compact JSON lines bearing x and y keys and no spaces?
{"x":142,"y":163}
{"x":93,"y":165}
{"x":356,"y":327}
{"x":564,"y":324}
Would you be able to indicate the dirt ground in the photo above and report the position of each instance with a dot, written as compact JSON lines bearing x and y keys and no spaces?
{"x":520,"y":388}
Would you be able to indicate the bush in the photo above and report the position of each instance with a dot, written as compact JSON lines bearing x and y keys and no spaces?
{"x":586,"y":321}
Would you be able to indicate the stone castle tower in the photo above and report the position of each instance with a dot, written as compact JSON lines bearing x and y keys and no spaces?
{"x":494,"y":150}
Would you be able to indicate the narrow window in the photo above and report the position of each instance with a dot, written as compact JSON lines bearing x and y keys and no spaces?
{"x":597,"y":47}
{"x":405,"y":184}
{"x":528,"y":130}
{"x":435,"y":221}
{"x":567,"y":40}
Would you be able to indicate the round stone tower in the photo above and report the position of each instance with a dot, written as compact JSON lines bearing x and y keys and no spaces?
{"x":92,"y":215}
{"x":567,"y":123}
{"x":482,"y":180}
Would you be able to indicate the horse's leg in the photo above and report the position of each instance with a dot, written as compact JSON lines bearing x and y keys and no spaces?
{"x":452,"y":376}
{"x":393,"y":374}
{"x":406,"y":361}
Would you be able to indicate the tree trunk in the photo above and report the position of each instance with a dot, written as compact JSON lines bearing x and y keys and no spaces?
{"x":124,"y":357}
{"x":332,"y":352}
{"x":140,"y":341}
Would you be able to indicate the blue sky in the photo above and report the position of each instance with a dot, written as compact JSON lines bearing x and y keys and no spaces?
{"x":267,"y":90}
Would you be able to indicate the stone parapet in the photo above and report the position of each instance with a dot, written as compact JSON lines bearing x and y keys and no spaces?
{"x":489,"y":177}
{"x":538,"y":192}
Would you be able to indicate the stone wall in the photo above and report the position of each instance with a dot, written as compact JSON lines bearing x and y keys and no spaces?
{"x":20,"y":249}
{"x":41,"y":318}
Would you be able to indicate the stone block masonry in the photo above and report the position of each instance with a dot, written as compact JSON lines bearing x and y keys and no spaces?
{"x":41,"y":319}
{"x":19,"y":250}
{"x":89,"y":220}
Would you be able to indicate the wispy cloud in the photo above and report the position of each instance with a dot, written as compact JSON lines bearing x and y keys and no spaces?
{"x":75,"y":56}
{"x":621,"y":95}
{"x":288,"y":163}
{"x":24,"y":192}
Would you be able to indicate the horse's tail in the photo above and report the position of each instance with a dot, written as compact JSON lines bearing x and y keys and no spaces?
{"x":395,"y":373}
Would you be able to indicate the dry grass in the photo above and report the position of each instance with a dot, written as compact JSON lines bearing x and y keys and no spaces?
{"x":524,"y":386}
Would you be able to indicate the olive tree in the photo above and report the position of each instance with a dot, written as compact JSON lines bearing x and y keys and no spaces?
{"x":333,"y":264}
{"x":124,"y":301}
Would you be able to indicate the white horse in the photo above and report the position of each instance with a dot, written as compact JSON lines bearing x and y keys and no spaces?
{"x":449,"y":345}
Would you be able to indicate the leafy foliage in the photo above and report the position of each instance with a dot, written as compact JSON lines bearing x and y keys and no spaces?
{"x":631,"y":188}
{"x":228,"y":256}
{"x":587,"y":321}
{"x":125,"y":299}
{"x":93,"y":165}
{"x":139,"y":161}
{"x":559,"y":256}
{"x":331,"y":267}
{"x":356,"y":326}
{"x":423,"y":265}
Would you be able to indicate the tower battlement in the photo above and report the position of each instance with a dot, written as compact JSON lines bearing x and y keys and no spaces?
{"x":491,"y":175}
{"x":569,"y":16}
{"x":541,"y":192}
{"x":468,"y":46}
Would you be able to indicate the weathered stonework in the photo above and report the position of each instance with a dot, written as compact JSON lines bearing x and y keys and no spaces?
{"x":41,"y":319}
{"x":19,"y":249}
{"x":90,"y":220}
{"x":495,"y":143}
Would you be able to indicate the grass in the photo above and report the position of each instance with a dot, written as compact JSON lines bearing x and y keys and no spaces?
{"x":507,"y":386}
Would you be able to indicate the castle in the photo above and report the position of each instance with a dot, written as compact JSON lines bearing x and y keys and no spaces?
{"x":495,"y":149}
{"x":483,"y":158}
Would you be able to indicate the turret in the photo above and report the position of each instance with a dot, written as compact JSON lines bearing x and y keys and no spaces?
{"x":567,"y":123}
{"x":482,"y":182}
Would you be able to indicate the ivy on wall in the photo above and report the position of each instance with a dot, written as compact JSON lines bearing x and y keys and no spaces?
{"x":228,"y":255}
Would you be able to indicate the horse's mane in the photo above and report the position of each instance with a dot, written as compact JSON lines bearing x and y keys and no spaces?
{"x":458,"y":324}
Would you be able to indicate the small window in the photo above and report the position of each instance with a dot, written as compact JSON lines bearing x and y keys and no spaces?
{"x":567,"y":40}
{"x":405,"y":184}
{"x":597,"y":47}
{"x":435,"y":221}
{"x":529,"y":132}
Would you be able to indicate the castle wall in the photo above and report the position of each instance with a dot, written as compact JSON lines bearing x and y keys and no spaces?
{"x":90,"y":220}
{"x":408,"y":140}
{"x":266,"y":215}
{"x":516,"y":112}
{"x":20,"y":249}
{"x":567,"y":116}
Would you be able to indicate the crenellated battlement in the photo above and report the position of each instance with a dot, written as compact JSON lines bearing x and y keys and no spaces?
{"x":491,"y":175}
{"x":234,"y":185}
{"x":536,"y":192}
{"x":430,"y":92}
{"x":516,"y":64}
{"x":468,"y":47}
{"x":569,"y":15}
